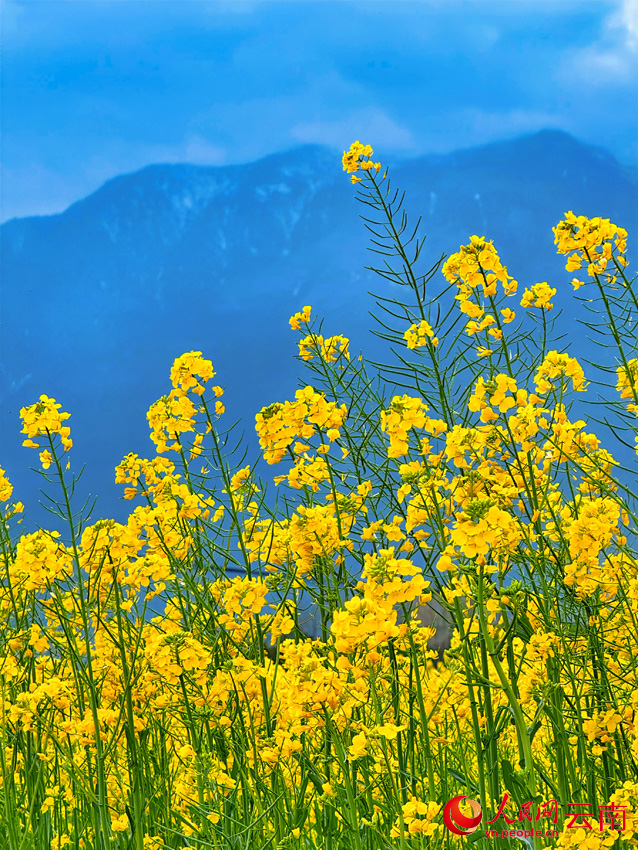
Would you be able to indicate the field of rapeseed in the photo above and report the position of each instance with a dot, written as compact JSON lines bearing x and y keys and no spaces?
{"x":158,"y":686}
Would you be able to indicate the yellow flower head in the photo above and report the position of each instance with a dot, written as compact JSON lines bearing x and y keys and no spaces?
{"x":330,"y":350}
{"x":540,"y":295}
{"x":302,"y":317}
{"x":6,"y":487}
{"x":358,"y":158}
{"x":240,"y":478}
{"x":46,"y":459}
{"x":557,"y":365}
{"x":191,"y":372}
{"x":417,"y":336}
{"x":279,"y":425}
{"x":169,"y":417}
{"x":477,"y":267}
{"x":44,"y":418}
{"x":590,"y":243}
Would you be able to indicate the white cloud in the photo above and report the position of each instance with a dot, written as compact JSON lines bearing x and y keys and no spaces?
{"x":200,"y":152}
{"x":626,"y":19}
{"x":485,"y":126}
{"x":367,"y":124}
{"x":612,"y":58}
{"x":465,"y":128}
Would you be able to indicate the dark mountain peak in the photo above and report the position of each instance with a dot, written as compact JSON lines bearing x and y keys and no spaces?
{"x":193,"y":186}
{"x":299,"y":157}
{"x":550,"y":149}
{"x":559,"y":143}
{"x":552,"y":137}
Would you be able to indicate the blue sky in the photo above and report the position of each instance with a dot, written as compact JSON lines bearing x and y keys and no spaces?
{"x":94,"y":89}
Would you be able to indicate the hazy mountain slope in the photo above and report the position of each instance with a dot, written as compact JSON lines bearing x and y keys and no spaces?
{"x":97,"y":301}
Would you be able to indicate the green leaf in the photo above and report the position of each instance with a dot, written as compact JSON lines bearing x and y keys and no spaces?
{"x":523,"y":628}
{"x":468,"y":783}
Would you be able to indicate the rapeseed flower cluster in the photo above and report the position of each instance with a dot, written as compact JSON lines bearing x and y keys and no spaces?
{"x":44,"y":419}
{"x":405,"y":414}
{"x":559,"y":365}
{"x":540,"y":295}
{"x":330,"y":349}
{"x":627,"y":383}
{"x":358,"y":159}
{"x":280,"y":425}
{"x":417,"y":336}
{"x":591,"y":243}
{"x":476,"y":270}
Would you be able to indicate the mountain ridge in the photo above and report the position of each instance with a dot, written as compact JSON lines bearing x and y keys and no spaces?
{"x":332,"y":155}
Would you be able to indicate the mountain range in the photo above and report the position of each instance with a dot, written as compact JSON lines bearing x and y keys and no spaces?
{"x":97,"y":301}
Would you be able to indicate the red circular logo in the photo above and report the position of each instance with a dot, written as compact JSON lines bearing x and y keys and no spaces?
{"x":453,"y":818}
